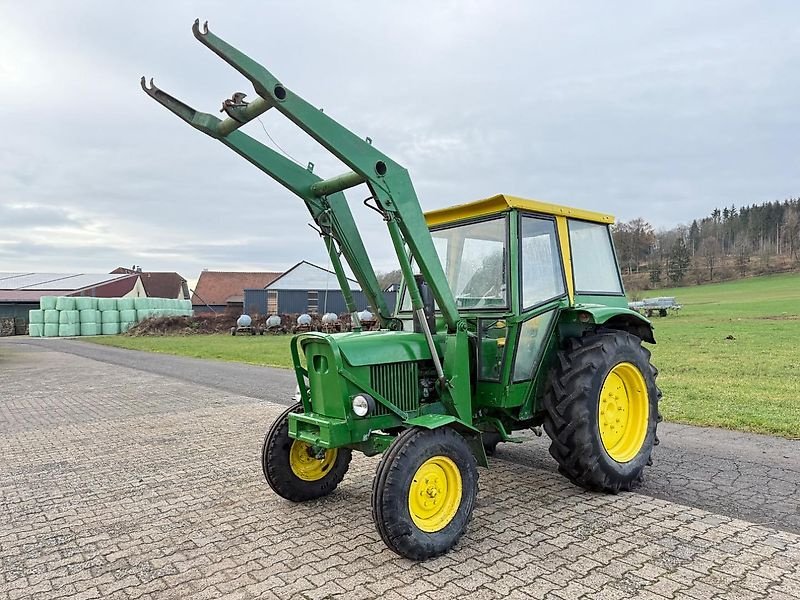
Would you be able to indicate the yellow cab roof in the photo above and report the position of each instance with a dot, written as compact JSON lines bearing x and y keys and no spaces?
{"x":502,"y":202}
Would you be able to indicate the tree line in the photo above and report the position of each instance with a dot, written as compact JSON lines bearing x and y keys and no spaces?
{"x":730,"y":242}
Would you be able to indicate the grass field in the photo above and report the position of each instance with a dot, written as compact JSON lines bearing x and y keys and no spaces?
{"x":264,"y":350}
{"x":751,"y":382}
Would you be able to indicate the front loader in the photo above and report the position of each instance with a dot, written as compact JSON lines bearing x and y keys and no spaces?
{"x":511,"y":316}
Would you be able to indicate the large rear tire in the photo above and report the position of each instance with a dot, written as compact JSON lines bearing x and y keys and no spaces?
{"x":424,"y":492}
{"x":602,"y":411}
{"x":296,"y":470}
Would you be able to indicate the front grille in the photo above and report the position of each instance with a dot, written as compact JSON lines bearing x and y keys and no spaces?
{"x":398,"y":383}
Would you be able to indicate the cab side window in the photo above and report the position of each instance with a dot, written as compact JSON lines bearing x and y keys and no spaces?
{"x":542,"y":277}
{"x":593,"y":262}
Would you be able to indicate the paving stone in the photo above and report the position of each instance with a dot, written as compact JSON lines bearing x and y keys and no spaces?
{"x":117,"y":483}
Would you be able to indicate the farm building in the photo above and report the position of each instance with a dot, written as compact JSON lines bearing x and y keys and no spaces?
{"x":305,"y":288}
{"x":21,"y":292}
{"x":159,"y":284}
{"x":220,"y":291}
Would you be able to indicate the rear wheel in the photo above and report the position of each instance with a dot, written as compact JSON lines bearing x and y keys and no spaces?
{"x":297,"y":470}
{"x":602,"y":411}
{"x":424,"y":492}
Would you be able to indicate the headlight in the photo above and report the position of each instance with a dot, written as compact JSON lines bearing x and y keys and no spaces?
{"x":362,"y":405}
{"x":296,"y":397}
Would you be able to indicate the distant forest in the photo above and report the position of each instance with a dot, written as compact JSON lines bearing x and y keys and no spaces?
{"x":729,"y":243}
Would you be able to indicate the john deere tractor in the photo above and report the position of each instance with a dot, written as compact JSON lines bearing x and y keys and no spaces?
{"x":512,"y":316}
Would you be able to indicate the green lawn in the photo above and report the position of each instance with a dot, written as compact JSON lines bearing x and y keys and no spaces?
{"x":750,"y":383}
{"x":265,"y":350}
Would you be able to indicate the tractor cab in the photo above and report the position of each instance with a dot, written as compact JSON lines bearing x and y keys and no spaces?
{"x":513,"y":265}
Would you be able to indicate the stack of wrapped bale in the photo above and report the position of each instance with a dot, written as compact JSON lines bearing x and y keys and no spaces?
{"x":36,"y":323}
{"x":109,"y":315}
{"x":48,"y":306}
{"x":89,"y":315}
{"x":69,"y":316}
{"x":127,"y":313}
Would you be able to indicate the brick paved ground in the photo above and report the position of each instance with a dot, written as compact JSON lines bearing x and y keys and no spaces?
{"x":121,"y":484}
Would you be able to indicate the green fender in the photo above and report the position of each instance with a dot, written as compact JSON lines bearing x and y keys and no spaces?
{"x":619,"y":318}
{"x":470,"y":433}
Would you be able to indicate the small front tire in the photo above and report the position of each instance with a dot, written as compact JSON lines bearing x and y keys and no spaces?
{"x":296,"y":470}
{"x":424,"y":492}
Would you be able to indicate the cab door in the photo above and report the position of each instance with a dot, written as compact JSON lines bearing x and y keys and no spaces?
{"x":542,"y":287}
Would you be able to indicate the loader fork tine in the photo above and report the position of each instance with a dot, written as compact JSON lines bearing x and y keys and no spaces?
{"x":265,"y":83}
{"x":184,"y":111}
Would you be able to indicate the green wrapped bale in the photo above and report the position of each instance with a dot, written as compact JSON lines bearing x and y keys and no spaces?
{"x":90,"y":315}
{"x":36,"y":317}
{"x":69,"y":329}
{"x":35,"y":329}
{"x":51,"y":317}
{"x":125,"y":325}
{"x":141,"y":303}
{"x":127,"y":316}
{"x":126,"y":304}
{"x":85,"y":303}
{"x":109,"y":316}
{"x":105,"y":304}
{"x":69,"y":317}
{"x":90,"y":329}
{"x":47,"y":302}
{"x":110,"y":328}
{"x":65,"y":303}
{"x":51,"y":329}
{"x":143,"y":314}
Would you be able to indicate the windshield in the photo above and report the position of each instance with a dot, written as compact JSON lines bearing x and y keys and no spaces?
{"x":474,"y":260}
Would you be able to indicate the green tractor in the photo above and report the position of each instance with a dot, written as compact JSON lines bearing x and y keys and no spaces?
{"x":511,"y":316}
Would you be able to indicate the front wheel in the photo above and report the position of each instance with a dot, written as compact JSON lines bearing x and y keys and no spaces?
{"x":297,"y":470}
{"x":424,"y":492}
{"x":602,"y":411}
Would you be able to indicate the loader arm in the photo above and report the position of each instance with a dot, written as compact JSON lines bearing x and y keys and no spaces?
{"x":388,"y":182}
{"x":331,"y":213}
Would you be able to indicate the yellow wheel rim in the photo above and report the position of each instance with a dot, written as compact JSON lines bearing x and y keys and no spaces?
{"x":305,"y":464}
{"x":623,"y":412}
{"x":435,"y":494}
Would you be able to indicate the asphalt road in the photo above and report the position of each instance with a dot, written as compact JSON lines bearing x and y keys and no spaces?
{"x":741,"y":475}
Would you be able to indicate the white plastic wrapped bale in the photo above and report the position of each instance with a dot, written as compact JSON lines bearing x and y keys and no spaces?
{"x":105,"y":304}
{"x":85,"y":303}
{"x":48,"y":302}
{"x":90,"y":315}
{"x":69,"y":329}
{"x":65,"y":303}
{"x":69,"y":317}
{"x":127,"y":316}
{"x":126,"y":304}
{"x":90,"y":329}
{"x":109,"y":316}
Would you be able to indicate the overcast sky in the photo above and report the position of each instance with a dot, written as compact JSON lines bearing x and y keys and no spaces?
{"x":660,"y":110}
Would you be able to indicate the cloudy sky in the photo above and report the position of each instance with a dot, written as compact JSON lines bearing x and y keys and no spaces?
{"x":661,"y":110}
